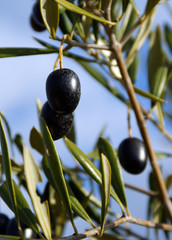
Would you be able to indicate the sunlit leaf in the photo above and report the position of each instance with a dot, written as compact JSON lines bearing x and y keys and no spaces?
{"x":24,"y":211}
{"x":36,"y":140}
{"x":81,"y":11}
{"x":117,"y":178}
{"x":105,"y":190}
{"x":33,"y":176}
{"x":50,"y":14}
{"x":56,"y":170}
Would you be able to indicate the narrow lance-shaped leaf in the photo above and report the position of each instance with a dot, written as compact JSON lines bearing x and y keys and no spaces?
{"x":8,"y":174}
{"x":50,"y":14}
{"x":55,"y":166}
{"x":117,"y":180}
{"x":124,"y":5}
{"x":76,"y":206}
{"x":140,"y":38}
{"x":71,"y":7}
{"x":106,"y":183}
{"x":89,"y":167}
{"x":16,"y":52}
{"x":150,"y":5}
{"x":25,"y":214}
{"x":33,"y":176}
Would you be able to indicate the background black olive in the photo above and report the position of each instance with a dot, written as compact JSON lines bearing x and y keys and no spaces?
{"x":36,"y":20}
{"x":3,"y":223}
{"x":63,"y":90}
{"x":132,"y":155}
{"x":58,"y":124}
{"x":12,"y":229}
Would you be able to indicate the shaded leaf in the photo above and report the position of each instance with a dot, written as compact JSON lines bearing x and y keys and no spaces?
{"x":56,"y":170}
{"x":19,"y":142}
{"x":36,"y":140}
{"x":76,"y":206}
{"x":25,"y":214}
{"x":124,"y":5}
{"x":150,"y":5}
{"x":168,"y":36}
{"x":8,"y":173}
{"x":50,"y":14}
{"x":89,"y":167}
{"x":15,"y":167}
{"x":74,"y":8}
{"x":106,"y":183}
{"x":33,"y":176}
{"x":133,"y":69}
{"x":15,"y":52}
{"x":117,"y":179}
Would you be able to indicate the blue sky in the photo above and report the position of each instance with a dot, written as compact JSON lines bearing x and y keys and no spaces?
{"x":22,"y":80}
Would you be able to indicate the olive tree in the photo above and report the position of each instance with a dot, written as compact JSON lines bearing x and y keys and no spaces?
{"x":111,"y":35}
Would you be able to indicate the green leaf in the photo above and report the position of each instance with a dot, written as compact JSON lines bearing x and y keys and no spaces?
{"x":25,"y":214}
{"x":150,"y":5}
{"x":8,"y":173}
{"x":50,"y":14}
{"x":117,"y":179}
{"x":71,"y":7}
{"x":124,"y":5}
{"x":106,"y":185}
{"x":102,"y":80}
{"x":33,"y":176}
{"x":56,"y":170}
{"x":133,"y":69}
{"x":168,"y":36}
{"x":19,"y":142}
{"x":8,"y":129}
{"x":76,"y":206}
{"x":36,"y":140}
{"x":15,"y":52}
{"x":140,"y":38}
{"x":89,"y":167}
{"x":156,"y":57}
{"x":16,"y":168}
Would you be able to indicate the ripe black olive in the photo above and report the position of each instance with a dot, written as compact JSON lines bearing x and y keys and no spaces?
{"x":3,"y":223}
{"x":63,"y":90}
{"x":12,"y":229}
{"x":36,"y":20}
{"x":132,"y":155}
{"x":58,"y":124}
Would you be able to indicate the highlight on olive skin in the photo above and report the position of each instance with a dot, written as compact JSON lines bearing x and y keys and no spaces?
{"x":63,"y":90}
{"x":132,"y":155}
{"x":58,"y":124}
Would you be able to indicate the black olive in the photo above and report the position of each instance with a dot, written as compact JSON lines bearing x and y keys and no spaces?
{"x":132,"y":155}
{"x":58,"y":124}
{"x":63,"y":90}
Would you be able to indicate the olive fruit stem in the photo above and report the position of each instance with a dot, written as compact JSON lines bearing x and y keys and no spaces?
{"x":116,"y":50}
